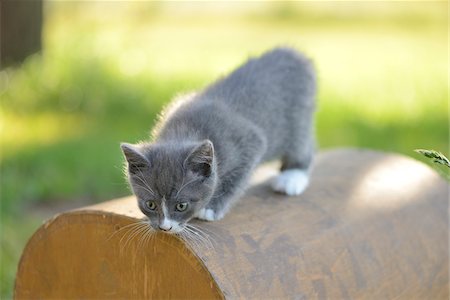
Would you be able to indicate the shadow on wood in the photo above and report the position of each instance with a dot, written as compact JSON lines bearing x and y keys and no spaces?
{"x":371,"y":225}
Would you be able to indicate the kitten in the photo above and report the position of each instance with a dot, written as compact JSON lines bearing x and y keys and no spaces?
{"x":206,"y":145}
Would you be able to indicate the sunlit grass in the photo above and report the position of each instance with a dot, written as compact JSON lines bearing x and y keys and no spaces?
{"x":108,"y":68}
{"x":21,"y":132}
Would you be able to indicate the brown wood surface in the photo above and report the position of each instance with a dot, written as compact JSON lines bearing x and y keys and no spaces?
{"x":370,"y":226}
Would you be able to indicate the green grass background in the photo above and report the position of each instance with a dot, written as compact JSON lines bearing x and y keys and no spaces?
{"x":107,"y":68}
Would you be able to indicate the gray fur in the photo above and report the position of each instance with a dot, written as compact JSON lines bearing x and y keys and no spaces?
{"x":261,"y":111}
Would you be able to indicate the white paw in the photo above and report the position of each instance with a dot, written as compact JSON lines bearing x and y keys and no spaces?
{"x":291,"y":182}
{"x":206,"y":214}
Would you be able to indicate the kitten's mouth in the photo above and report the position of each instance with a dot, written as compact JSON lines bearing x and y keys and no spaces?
{"x":165,"y":229}
{"x":171,"y":229}
{"x":168,"y":225}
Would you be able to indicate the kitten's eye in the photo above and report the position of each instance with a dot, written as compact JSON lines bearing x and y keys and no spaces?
{"x":150,"y":204}
{"x":181,"y":206}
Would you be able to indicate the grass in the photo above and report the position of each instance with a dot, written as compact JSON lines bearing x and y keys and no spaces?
{"x":435,"y":156}
{"x":382,"y":71}
{"x":440,"y":162}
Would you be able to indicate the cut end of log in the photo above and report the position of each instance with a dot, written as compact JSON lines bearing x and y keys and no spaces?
{"x":103,"y":255}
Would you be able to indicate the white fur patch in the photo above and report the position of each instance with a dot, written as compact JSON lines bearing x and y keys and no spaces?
{"x":170,"y":226}
{"x":164,"y":208}
{"x":208,"y":214}
{"x":167,"y":224}
{"x":291,"y":182}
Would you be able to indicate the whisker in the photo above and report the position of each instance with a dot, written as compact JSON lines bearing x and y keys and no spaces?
{"x":205,"y":231}
{"x":144,"y":181}
{"x":138,"y":233}
{"x":150,"y":232}
{"x":143,"y":237}
{"x":126,"y":236}
{"x":217,"y":196}
{"x":184,"y":235}
{"x":184,"y":185}
{"x":205,"y":241}
{"x":123,"y":228}
{"x":145,"y":188}
{"x":190,"y":239}
{"x":129,"y":234}
{"x":140,"y":236}
{"x":210,"y":237}
{"x":133,"y":233}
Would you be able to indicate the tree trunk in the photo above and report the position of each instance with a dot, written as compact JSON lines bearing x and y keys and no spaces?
{"x":20,"y":30}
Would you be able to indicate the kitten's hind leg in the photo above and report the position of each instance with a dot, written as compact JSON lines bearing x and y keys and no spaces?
{"x":207,"y":214}
{"x":294,"y":176}
{"x":291,"y":182}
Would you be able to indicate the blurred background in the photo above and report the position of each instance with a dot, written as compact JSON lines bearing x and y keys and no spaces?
{"x":106,"y":69}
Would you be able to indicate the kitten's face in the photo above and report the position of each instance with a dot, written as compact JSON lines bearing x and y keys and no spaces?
{"x":171,"y":182}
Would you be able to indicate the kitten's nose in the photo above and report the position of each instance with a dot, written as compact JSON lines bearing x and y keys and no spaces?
{"x":165,"y":227}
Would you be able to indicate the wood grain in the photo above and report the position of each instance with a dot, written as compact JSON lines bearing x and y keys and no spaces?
{"x":370,"y":226}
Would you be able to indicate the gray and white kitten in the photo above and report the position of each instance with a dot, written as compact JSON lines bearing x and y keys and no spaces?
{"x":206,"y":145}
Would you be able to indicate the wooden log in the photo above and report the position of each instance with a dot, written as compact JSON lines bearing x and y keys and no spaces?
{"x":370,"y":226}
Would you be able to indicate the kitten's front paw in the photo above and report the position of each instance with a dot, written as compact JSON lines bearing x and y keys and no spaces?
{"x":207,"y":214}
{"x":291,"y":182}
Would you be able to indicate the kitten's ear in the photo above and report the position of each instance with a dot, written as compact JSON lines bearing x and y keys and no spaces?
{"x":200,"y":160}
{"x":136,"y":160}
